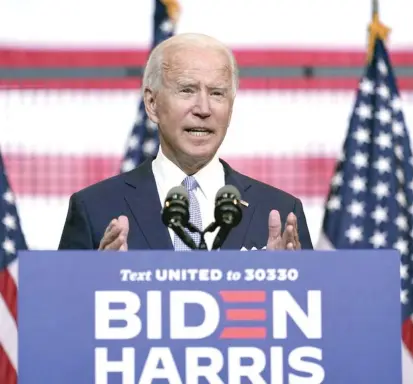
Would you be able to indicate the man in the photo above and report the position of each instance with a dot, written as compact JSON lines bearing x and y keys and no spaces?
{"x":189,"y":87}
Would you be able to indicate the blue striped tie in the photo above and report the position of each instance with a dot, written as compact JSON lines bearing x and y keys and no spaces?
{"x":190,"y":185}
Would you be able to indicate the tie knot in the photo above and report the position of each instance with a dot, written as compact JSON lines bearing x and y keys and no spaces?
{"x":190,"y":183}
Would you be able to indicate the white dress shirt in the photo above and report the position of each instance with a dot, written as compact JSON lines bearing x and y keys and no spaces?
{"x":210,"y":179}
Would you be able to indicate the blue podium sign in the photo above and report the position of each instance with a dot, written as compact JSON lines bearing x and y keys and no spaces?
{"x":209,"y":317}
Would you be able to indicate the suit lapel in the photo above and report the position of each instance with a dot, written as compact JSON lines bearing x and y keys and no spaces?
{"x":143,"y":200}
{"x":236,"y":237}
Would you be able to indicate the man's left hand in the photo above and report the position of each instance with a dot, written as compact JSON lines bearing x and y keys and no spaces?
{"x":288,"y":240}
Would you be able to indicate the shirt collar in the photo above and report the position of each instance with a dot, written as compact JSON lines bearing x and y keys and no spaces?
{"x":210,"y":178}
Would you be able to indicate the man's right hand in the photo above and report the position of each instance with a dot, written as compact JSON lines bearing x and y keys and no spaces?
{"x":116,"y":235}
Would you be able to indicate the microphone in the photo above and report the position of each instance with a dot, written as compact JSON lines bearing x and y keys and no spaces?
{"x":175,"y":214}
{"x":228,"y":213}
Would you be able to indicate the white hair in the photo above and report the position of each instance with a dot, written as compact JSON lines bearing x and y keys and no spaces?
{"x":152,"y":76}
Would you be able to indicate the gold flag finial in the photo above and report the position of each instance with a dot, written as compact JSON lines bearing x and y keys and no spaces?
{"x":377,"y":30}
{"x":173,"y":9}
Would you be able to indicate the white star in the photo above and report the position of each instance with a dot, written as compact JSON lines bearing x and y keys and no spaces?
{"x":379,"y":215}
{"x":381,"y":66}
{"x":362,"y":136}
{"x":401,"y":198}
{"x":402,"y":246}
{"x":366,"y":86}
{"x":360,"y":160}
{"x":403,"y":296}
{"x":337,"y":179}
{"x":397,"y":128}
{"x":404,"y":271}
{"x":8,"y":197}
{"x":334,"y":203}
{"x":133,"y":142}
{"x":354,"y":233}
{"x":384,"y":116}
{"x":356,"y":208}
{"x":342,"y":157}
{"x":167,"y":26}
{"x":383,"y":91}
{"x":128,"y":165}
{"x":9,"y":246}
{"x":139,"y":118}
{"x":151,"y":125}
{"x":401,"y":222}
{"x":400,"y":176}
{"x":383,"y":140}
{"x":398,"y":151}
{"x":378,"y":239}
{"x":364,"y":111}
{"x":149,"y":147}
{"x":382,"y":164}
{"x":9,"y":222}
{"x":381,"y":190}
{"x":358,"y":184}
{"x":396,"y":104}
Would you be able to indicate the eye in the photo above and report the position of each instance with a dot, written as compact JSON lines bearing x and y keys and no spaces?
{"x":218,"y":93}
{"x":186,"y":90}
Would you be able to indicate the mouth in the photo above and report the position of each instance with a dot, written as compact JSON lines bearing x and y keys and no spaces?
{"x":199,"y":132}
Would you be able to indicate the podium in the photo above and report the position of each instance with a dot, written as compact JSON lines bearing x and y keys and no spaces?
{"x":209,"y":317}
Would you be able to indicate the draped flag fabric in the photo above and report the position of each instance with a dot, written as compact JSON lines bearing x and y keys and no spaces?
{"x":11,"y":240}
{"x":370,"y":203}
{"x":143,"y":141}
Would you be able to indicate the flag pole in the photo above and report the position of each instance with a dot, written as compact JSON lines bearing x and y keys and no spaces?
{"x":375,"y":8}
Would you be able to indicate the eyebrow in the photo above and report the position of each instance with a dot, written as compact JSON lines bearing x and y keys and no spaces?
{"x":186,"y":83}
{"x":192,"y":83}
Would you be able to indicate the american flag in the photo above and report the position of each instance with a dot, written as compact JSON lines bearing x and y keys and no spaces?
{"x":370,"y":202}
{"x":11,"y":240}
{"x":143,"y":141}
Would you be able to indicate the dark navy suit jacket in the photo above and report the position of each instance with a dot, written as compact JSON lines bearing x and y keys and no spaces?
{"x":134,"y":194}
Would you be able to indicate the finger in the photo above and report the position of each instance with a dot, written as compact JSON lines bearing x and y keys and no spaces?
{"x":274,"y":231}
{"x":111,"y":233}
{"x":288,"y":237}
{"x":124,"y":224}
{"x":293,"y":219}
{"x":110,"y":237}
{"x":116,"y":244}
{"x":111,"y":225}
{"x":116,"y":234}
{"x":296,"y":238}
{"x":292,"y":232}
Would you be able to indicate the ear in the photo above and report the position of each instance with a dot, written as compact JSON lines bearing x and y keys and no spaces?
{"x":149,"y":98}
{"x":231,"y":109}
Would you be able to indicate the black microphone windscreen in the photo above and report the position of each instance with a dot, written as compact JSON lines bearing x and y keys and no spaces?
{"x":179,"y":190}
{"x":228,"y":189}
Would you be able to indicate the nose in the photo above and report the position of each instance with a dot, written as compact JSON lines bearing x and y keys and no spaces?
{"x":202,"y":108}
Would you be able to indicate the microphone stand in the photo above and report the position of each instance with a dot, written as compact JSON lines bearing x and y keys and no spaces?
{"x":202,"y":244}
{"x":179,"y":230}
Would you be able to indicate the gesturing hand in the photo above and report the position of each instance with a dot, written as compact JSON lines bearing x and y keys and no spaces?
{"x":288,"y":239}
{"x":116,"y":235}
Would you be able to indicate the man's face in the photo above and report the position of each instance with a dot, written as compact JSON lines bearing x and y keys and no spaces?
{"x":193,"y":107}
